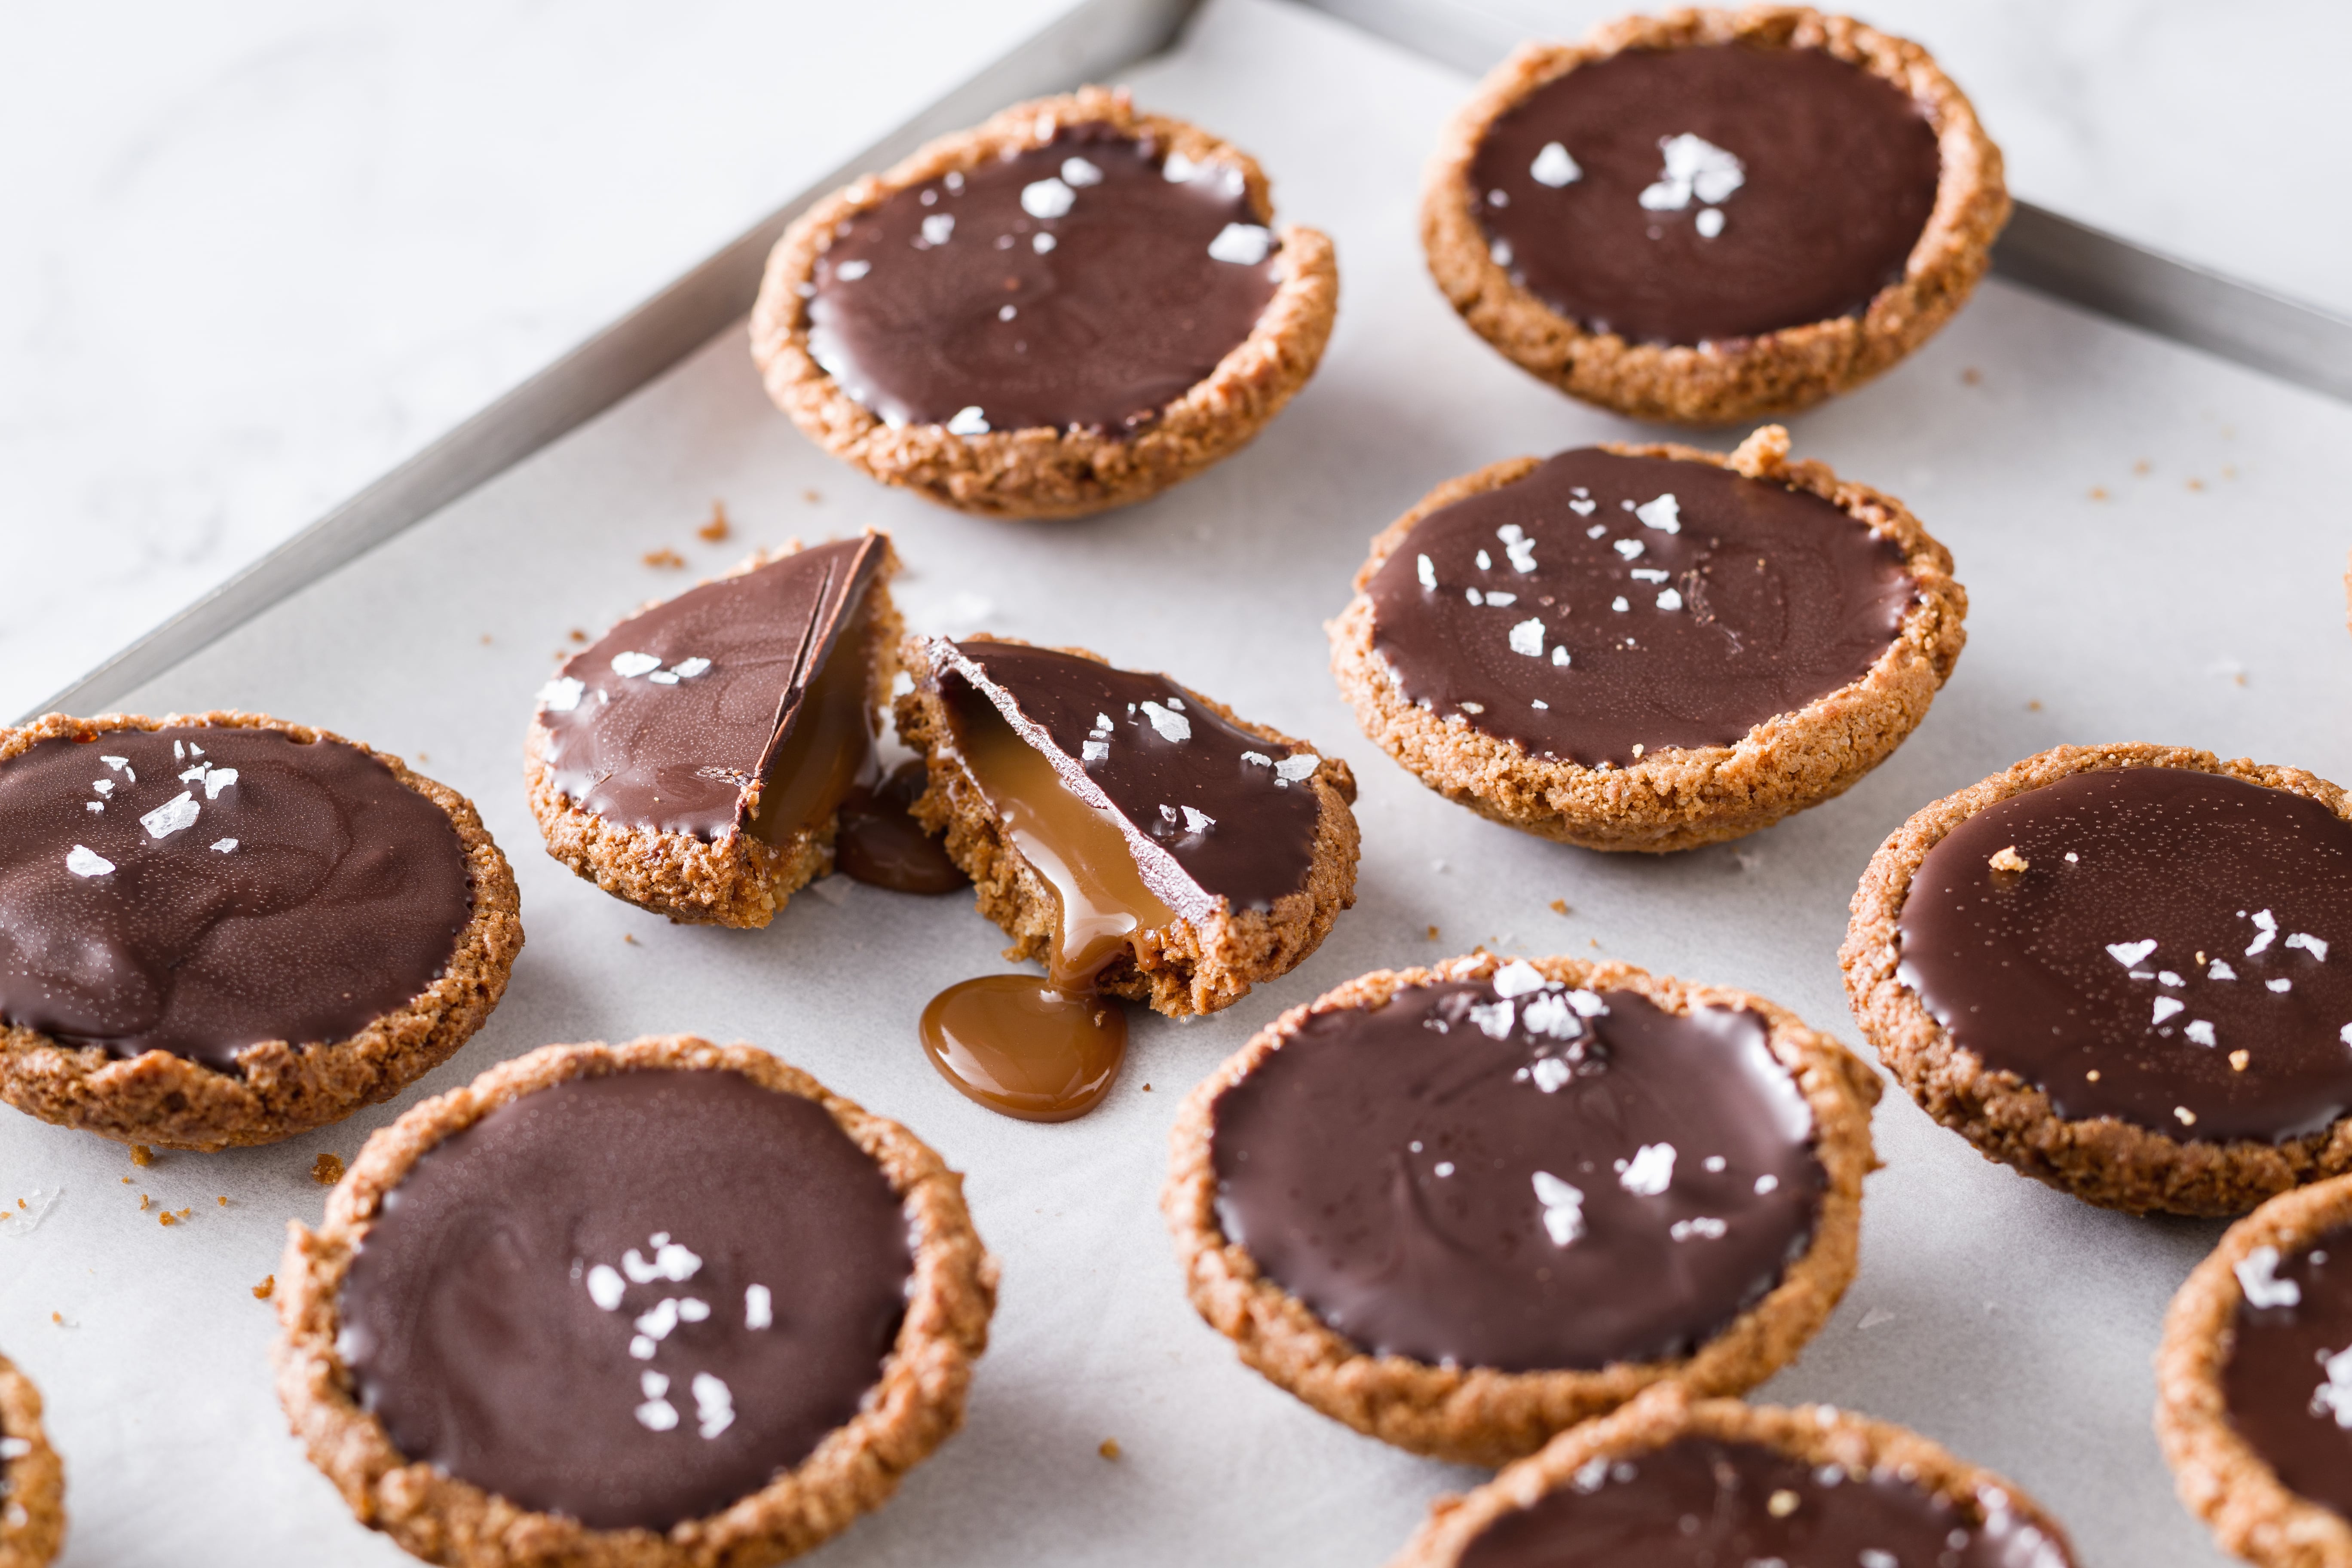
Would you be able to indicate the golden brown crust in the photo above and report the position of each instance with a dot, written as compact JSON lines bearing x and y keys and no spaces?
{"x":2219,"y":1476}
{"x":33,"y":1484}
{"x":2104,"y":1160}
{"x":1744,"y":378}
{"x":1673,"y":798}
{"x":1816,"y":1434}
{"x":733,"y":881}
{"x":1045,"y":472}
{"x":917,"y":1406}
{"x":280,"y":1088}
{"x":1181,"y":969}
{"x":1477,"y":1414}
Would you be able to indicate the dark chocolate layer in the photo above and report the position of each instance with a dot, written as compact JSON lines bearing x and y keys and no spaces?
{"x":1082,"y":284}
{"x":1232,"y":813}
{"x":2288,"y":1381}
{"x":632,"y":1299}
{"x":198,"y":890}
{"x":1698,"y":1502}
{"x":1604,"y":603}
{"x":1524,"y":1181}
{"x":2166,"y":920}
{"x":1819,"y":177}
{"x":673,"y":720}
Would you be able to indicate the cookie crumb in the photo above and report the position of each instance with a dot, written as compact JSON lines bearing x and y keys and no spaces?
{"x":59,"y":1318}
{"x":2238,"y":1060}
{"x":1781,"y":1503}
{"x":629,"y":937}
{"x":1637,"y":748}
{"x":143,"y":1201}
{"x":665,"y":557}
{"x":2008,"y":860}
{"x":2187,"y":1117}
{"x":486,"y":639}
{"x":1109,"y":1450}
{"x":578,"y":636}
{"x":223,"y":1200}
{"x":1971,"y":376}
{"x":327,"y":1169}
{"x":2141,"y":466}
{"x":2196,"y":484}
{"x":2035,"y":706}
{"x":716,"y":529}
{"x":811,"y":496}
{"x":1147,"y":1088}
{"x":1559,"y":905}
{"x":266,"y":1288}
{"x":141,"y":1155}
{"x":126,"y":1182}
{"x":1433,"y":933}
{"x":2098,"y":492}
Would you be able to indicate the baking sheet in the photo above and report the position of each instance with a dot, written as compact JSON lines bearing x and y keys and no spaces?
{"x":2200,"y":602}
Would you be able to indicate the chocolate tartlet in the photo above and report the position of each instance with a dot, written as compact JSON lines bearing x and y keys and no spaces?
{"x":661,"y":1303}
{"x":2109,"y":967}
{"x":695,"y":759}
{"x":1713,"y":216}
{"x":2254,"y":1382}
{"x":224,"y":929}
{"x":1070,"y":306}
{"x":1648,"y":647}
{"x":1464,"y":1208}
{"x":32,"y":1480}
{"x":1674,"y":1479}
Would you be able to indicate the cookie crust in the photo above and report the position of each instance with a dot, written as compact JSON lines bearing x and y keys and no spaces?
{"x":1673,"y":798}
{"x":2103,"y":1160}
{"x":280,"y":1088}
{"x":1743,"y":378}
{"x":1479,"y":1416}
{"x":916,"y":1405}
{"x":1043,"y":471}
{"x":733,"y":881}
{"x":1179,"y":969}
{"x":2218,"y":1475}
{"x":1816,"y":1434}
{"x":33,"y":1505}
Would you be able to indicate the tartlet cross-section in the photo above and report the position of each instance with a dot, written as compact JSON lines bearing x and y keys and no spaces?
{"x":32,"y":1480}
{"x":1045,"y":453}
{"x":1729,"y":1232}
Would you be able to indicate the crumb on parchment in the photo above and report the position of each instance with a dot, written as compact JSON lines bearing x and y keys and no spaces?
{"x":327,"y":1169}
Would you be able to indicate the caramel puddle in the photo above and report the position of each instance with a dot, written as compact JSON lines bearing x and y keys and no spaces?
{"x":1049,"y":1052}
{"x":881,"y":844}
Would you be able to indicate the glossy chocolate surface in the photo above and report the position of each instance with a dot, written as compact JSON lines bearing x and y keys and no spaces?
{"x":632,"y":1299}
{"x":1604,"y":603}
{"x":1820,"y":178}
{"x":1080,"y":284}
{"x":198,"y":890}
{"x":680,"y":719}
{"x":1521,"y":1182}
{"x":1232,"y":813}
{"x":1699,"y":1502}
{"x":2199,"y":917}
{"x":882,"y":844}
{"x":2288,"y":1382}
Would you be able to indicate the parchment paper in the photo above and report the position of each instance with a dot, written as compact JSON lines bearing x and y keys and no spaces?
{"x":2200,"y":602}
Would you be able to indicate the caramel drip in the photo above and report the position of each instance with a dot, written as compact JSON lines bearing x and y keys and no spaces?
{"x":1043,"y":1053}
{"x":881,"y":844}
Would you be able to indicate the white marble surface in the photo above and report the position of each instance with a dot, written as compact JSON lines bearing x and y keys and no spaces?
{"x":253,"y":255}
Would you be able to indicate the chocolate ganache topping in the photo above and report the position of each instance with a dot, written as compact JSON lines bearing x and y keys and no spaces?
{"x":2172,"y":953}
{"x":1604,"y":603}
{"x":1211,"y":811}
{"x":1085,"y":284}
{"x":201,"y":890}
{"x":2288,"y":1382}
{"x":1510,"y":1173}
{"x":1699,"y":1502}
{"x":1714,"y":192}
{"x":632,"y":1299}
{"x":684,"y":719}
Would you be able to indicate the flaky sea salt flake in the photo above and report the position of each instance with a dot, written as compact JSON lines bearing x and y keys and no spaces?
{"x":1650,"y":1171}
{"x":1662,"y":513}
{"x":1563,"y":1208}
{"x":84,"y":861}
{"x":219,"y":780}
{"x":1298,"y":765}
{"x":759,"y":1306}
{"x":1243,"y":244}
{"x":1554,"y":167}
{"x":2129,"y":953}
{"x":628,"y":666}
{"x":1079,"y":172}
{"x":968,"y":421}
{"x":1171,"y":725}
{"x":1518,"y":978}
{"x":2309,"y":943}
{"x":223,"y":845}
{"x":1528,"y":637}
{"x":1196,"y":820}
{"x":1048,"y":197}
{"x":180,"y":811}
{"x":2257,"y":1274}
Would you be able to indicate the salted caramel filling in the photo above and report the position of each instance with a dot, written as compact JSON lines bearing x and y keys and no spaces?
{"x":829,"y":748}
{"x":1049,"y":1052}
